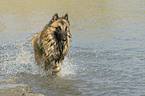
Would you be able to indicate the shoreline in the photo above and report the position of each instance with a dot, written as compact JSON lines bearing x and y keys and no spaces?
{"x":9,"y":87}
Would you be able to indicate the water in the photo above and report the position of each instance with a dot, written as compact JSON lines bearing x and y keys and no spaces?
{"x":106,"y":55}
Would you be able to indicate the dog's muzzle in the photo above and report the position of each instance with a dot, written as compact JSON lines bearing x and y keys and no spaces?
{"x":64,"y":39}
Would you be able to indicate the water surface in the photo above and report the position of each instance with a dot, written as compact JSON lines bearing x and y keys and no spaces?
{"x":106,"y":55}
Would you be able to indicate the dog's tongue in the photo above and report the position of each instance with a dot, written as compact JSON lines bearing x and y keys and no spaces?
{"x":62,"y":41}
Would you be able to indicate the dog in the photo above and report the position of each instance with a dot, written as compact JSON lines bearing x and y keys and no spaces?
{"x":52,"y":43}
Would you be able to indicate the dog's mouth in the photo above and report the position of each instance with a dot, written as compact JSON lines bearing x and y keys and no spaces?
{"x":62,"y":41}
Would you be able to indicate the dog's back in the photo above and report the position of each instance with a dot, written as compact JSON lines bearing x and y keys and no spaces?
{"x":36,"y":48}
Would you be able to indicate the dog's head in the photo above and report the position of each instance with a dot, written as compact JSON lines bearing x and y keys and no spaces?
{"x":60,"y":27}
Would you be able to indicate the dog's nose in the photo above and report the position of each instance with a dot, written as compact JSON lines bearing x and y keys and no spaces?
{"x":64,"y":38}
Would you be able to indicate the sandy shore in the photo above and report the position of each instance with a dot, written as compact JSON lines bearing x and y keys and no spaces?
{"x":9,"y":87}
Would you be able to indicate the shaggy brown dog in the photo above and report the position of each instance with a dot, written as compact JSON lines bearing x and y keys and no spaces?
{"x":52,"y":43}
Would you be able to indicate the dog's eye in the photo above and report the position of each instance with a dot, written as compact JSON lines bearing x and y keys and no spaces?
{"x":58,"y":28}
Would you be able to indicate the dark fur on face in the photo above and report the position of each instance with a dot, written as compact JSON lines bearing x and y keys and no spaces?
{"x":52,"y":43}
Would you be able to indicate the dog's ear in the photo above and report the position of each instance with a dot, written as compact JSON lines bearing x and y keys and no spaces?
{"x":65,"y":17}
{"x":55,"y":17}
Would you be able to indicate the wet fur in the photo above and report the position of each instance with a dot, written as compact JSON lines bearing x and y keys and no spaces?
{"x":49,"y":47}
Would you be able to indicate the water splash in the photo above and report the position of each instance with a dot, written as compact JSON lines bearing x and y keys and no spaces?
{"x":21,"y":60}
{"x":68,"y":68}
{"x":18,"y":62}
